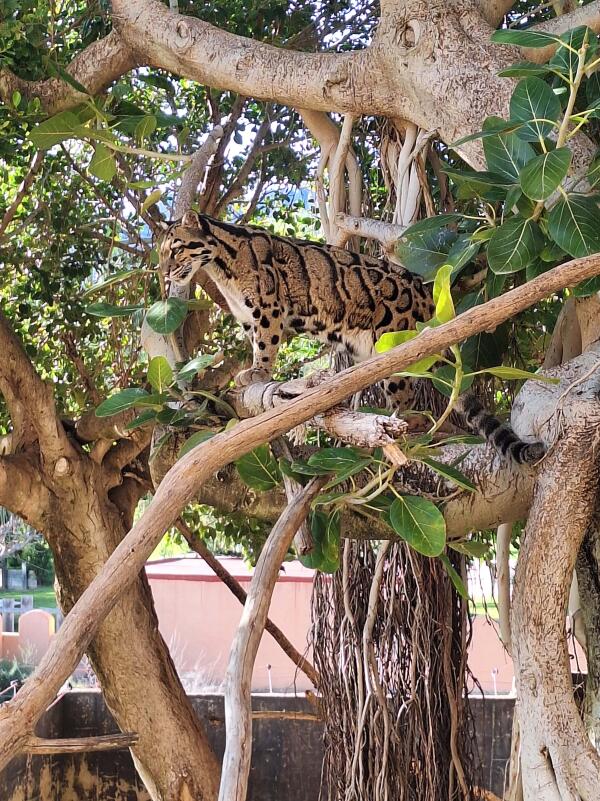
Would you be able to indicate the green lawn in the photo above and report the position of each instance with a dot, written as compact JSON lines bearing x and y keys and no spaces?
{"x":43,"y":596}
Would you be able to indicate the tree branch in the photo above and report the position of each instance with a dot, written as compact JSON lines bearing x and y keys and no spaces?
{"x":195,"y":173}
{"x":238,"y":702}
{"x":198,"y":50}
{"x":184,"y":480}
{"x":584,"y":15}
{"x":34,"y":168}
{"x":197,"y":545}
{"x":79,"y":745}
{"x":20,"y":384}
{"x":95,"y":68}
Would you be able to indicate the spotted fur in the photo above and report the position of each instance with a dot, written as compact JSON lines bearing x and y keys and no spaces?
{"x":276,"y":286}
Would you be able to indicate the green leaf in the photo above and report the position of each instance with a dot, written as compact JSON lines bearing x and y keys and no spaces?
{"x":16,"y":98}
{"x":525,"y":38}
{"x":473,"y":548}
{"x":451,"y":473}
{"x":454,"y":577}
{"x":594,"y":172}
{"x":505,"y":153}
{"x":103,"y":164}
{"x":392,"y":339}
{"x":514,"y":245}
{"x":259,"y":470}
{"x":54,"y":130}
{"x":344,"y":462}
{"x":60,"y":72}
{"x":514,"y":374}
{"x":125,"y":399}
{"x":325,"y":530}
{"x":195,"y":439}
{"x":574,"y":225}
{"x":196,"y":365}
{"x":432,"y":224}
{"x":145,"y":128}
{"x":523,"y":69}
{"x":152,"y":198}
{"x":160,"y":374}
{"x":565,"y":60}
{"x":534,"y":103}
{"x":444,"y":377}
{"x":165,"y":316}
{"x":543,"y":175}
{"x":148,"y":416}
{"x":109,"y":310}
{"x":442,"y":296}
{"x":115,"y":278}
{"x":501,"y":125}
{"x":461,"y":252}
{"x":305,"y":469}
{"x":424,"y":252}
{"x":481,"y":177}
{"x":494,"y":284}
{"x":420,"y":523}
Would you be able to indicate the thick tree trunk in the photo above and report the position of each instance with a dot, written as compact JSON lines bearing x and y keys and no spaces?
{"x":558,"y":761}
{"x":129,"y":656}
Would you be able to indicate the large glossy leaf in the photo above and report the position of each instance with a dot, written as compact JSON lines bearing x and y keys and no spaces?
{"x":594,"y":173}
{"x":505,"y":153}
{"x":54,"y":130}
{"x":514,"y":245}
{"x":481,"y":177}
{"x":424,"y":252}
{"x":259,"y":470}
{"x":534,"y":103}
{"x":434,"y":223}
{"x":344,"y":462}
{"x":120,"y":401}
{"x":189,"y":370}
{"x":160,"y":373}
{"x":525,"y":38}
{"x":165,"y":316}
{"x":543,"y":175}
{"x":420,"y":523}
{"x":566,"y":59}
{"x":574,"y":225}
{"x":103,"y":164}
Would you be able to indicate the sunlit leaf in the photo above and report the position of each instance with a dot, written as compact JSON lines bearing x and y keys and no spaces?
{"x":165,"y":316}
{"x":533,"y":102}
{"x":120,"y":401}
{"x":103,"y":164}
{"x":541,"y":176}
{"x":195,"y":439}
{"x":259,"y":470}
{"x":420,"y":523}
{"x":160,"y":373}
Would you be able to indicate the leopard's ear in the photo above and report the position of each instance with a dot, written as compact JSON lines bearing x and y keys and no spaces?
{"x":190,"y":219}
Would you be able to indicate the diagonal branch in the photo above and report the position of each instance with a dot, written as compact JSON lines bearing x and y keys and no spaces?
{"x":584,"y":15}
{"x":96,"y":67}
{"x":238,"y":701}
{"x":184,"y":480}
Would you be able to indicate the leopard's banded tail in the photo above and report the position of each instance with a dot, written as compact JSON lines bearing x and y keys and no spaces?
{"x":498,"y":434}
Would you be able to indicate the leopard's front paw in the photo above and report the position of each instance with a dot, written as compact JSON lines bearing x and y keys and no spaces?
{"x":253,"y":375}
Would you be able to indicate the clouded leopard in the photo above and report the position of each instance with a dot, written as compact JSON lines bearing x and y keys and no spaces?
{"x":276,"y":286}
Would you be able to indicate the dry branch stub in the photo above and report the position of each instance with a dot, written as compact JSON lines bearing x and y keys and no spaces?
{"x":182,"y":483}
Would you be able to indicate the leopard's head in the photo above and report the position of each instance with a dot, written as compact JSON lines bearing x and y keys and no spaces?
{"x":184,"y":249}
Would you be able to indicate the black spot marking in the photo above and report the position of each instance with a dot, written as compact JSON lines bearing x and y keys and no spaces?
{"x":265,"y":322}
{"x":392,"y":386}
{"x":261,"y":346}
{"x":256,"y":313}
{"x":274,"y":339}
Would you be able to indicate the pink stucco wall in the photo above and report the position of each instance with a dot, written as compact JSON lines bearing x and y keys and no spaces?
{"x":198,"y":617}
{"x":31,"y":641}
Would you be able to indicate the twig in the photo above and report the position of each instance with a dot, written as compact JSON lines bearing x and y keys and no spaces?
{"x":195,"y":173}
{"x":238,"y":704}
{"x":303,"y":541}
{"x":197,"y":545}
